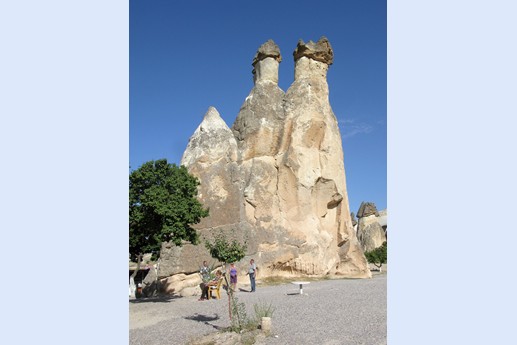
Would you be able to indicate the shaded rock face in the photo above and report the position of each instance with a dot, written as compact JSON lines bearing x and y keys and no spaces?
{"x":371,"y":226}
{"x":277,"y":177}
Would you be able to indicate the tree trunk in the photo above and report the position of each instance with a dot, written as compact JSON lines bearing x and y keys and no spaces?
{"x":228,"y":290}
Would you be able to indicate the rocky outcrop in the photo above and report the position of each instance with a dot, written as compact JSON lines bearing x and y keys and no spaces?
{"x":277,"y":178}
{"x":370,"y":232}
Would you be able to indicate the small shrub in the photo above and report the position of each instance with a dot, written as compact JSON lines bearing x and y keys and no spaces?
{"x":263,"y":309}
{"x":240,"y":319}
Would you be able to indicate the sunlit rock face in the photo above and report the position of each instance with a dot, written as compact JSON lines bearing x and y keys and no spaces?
{"x":277,"y":177}
{"x":311,"y":171}
{"x":371,"y":227}
{"x":260,"y":122}
{"x":211,"y":156}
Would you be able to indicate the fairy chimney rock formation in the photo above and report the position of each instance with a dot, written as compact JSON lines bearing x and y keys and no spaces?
{"x":367,"y":209}
{"x":312,"y":59}
{"x":314,"y":196}
{"x":265,"y":63}
{"x":370,"y":232}
{"x":259,"y":124}
{"x":278,"y":177}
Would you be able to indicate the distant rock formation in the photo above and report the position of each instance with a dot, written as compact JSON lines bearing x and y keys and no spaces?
{"x":277,"y":177}
{"x":367,"y":209}
{"x":354,"y":220}
{"x":383,"y":221}
{"x":370,"y":232}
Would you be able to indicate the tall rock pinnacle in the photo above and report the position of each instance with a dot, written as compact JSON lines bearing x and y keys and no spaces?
{"x":211,"y":156}
{"x":265,"y":63}
{"x":314,"y":159}
{"x":277,"y":178}
{"x":259,"y":124}
{"x":312,"y":59}
{"x":211,"y":141}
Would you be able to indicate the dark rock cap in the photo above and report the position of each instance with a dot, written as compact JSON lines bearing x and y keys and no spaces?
{"x":367,"y":209}
{"x":319,"y":51}
{"x":268,"y":49}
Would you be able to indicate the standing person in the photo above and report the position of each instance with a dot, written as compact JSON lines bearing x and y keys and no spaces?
{"x":205,"y":277}
{"x":233,"y":276}
{"x":252,"y":271}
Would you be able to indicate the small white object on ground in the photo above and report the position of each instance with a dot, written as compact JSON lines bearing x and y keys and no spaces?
{"x":301,"y":285}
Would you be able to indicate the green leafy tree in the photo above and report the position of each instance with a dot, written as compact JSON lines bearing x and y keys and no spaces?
{"x":162,"y":207}
{"x":378,"y":256}
{"x":226,"y":251}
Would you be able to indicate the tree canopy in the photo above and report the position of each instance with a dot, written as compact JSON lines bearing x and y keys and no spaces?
{"x":378,"y":256}
{"x":162,"y":207}
{"x":224,"y":250}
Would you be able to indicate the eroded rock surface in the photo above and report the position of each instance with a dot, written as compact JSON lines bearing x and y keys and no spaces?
{"x":371,"y":226}
{"x":259,"y":124}
{"x":277,"y":178}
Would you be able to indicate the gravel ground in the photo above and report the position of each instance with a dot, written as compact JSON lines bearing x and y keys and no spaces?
{"x":344,"y":311}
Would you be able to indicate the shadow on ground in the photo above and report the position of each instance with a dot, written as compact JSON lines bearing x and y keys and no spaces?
{"x":205,"y":319}
{"x":155,"y":299}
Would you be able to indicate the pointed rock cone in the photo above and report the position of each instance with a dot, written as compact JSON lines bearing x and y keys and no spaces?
{"x":211,"y":142}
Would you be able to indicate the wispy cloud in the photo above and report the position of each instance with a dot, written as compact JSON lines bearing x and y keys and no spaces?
{"x":350,"y":128}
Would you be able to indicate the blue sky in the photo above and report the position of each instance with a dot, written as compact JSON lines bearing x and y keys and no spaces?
{"x":187,"y":56}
